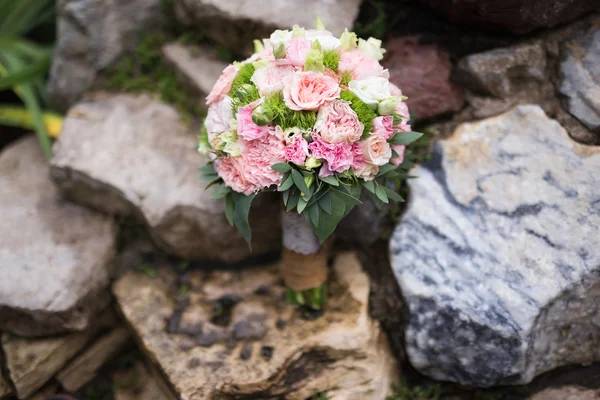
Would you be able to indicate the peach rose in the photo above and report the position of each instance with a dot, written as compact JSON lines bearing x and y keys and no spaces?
{"x":367,"y":171}
{"x":309,"y":90}
{"x":337,"y":122}
{"x":223,"y":85}
{"x":376,"y":150}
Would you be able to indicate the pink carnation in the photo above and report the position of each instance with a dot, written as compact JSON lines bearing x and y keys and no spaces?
{"x":384,"y":126}
{"x":231,"y":169}
{"x":402,"y":109}
{"x":297,"y":150}
{"x":361,"y":65}
{"x":258,"y":157}
{"x":246,"y":128}
{"x":337,"y":122}
{"x":296,"y":51}
{"x":269,"y":79}
{"x":398,"y":148}
{"x":339,"y":156}
{"x":358,"y":159}
{"x":223,"y":85}
{"x":309,"y":90}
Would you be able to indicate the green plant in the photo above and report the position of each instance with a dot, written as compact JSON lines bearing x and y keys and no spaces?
{"x":404,"y":392}
{"x":24,"y":64}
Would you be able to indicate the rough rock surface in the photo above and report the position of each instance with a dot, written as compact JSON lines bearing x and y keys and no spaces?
{"x":567,"y":393}
{"x":235,"y":23}
{"x":580,"y":73}
{"x":497,"y":255}
{"x":142,"y":383}
{"x":422,"y":71}
{"x":230,"y":334}
{"x":91,"y":35}
{"x":5,"y":388}
{"x":131,"y":155}
{"x":33,"y":362}
{"x":519,"y":16}
{"x":54,"y":256}
{"x":198,"y":67}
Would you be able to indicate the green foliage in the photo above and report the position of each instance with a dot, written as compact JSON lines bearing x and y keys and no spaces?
{"x":346,"y":78}
{"x":331,"y":59}
{"x":144,"y":71}
{"x":366,"y":115}
{"x":242,"y":78}
{"x":404,"y":392}
{"x":373,"y":20}
{"x":287,"y":118}
{"x":23,"y":64}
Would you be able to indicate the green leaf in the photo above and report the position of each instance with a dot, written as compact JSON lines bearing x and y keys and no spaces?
{"x":385,"y":168}
{"x":293,"y":201}
{"x":301,"y":204}
{"x":313,"y":214}
{"x":281,"y":167}
{"x":332,"y":180}
{"x":241,"y":211}
{"x":405,"y":137}
{"x":389,"y":174}
{"x":348,"y":199}
{"x":286,"y":183}
{"x":207,"y":169}
{"x":369,"y":185}
{"x":328,"y":222}
{"x":392,"y":195}
{"x":380,"y":193}
{"x":229,"y":208}
{"x":286,"y":197}
{"x":325,"y":202}
{"x":299,"y":181}
{"x":220,"y":192}
{"x":26,"y":74}
{"x":209,"y":177}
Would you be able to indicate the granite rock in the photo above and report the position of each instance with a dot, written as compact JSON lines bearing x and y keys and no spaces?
{"x":235,"y":23}
{"x":422,"y":71}
{"x":133,"y":156}
{"x":497,"y":256}
{"x":230,"y":334}
{"x":55,"y":257}
{"x":91,"y":35}
{"x":580,"y":78}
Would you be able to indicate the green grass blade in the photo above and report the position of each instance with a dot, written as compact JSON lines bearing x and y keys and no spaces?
{"x":25,"y":74}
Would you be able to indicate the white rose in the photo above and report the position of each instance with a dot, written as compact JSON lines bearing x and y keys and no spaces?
{"x":280,"y":36}
{"x":325,"y":38}
{"x":367,"y":171}
{"x":372,"y":48}
{"x":376,"y":150}
{"x":219,"y":117}
{"x":371,"y":90}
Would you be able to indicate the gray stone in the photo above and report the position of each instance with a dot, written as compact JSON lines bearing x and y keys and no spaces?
{"x":55,"y":256}
{"x":235,"y":23}
{"x":197,"y":67}
{"x":505,"y":71}
{"x":497,"y":256}
{"x":259,"y":346}
{"x":580,"y":78}
{"x":91,"y":35}
{"x":133,"y":156}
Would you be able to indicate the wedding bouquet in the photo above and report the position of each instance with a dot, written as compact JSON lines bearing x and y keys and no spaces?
{"x":312,"y":116}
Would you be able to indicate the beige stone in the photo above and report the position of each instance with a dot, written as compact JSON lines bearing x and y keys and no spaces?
{"x":141,"y":382}
{"x":233,"y":335}
{"x":47,"y":391}
{"x":84,"y":367}
{"x":567,"y":393}
{"x":5,"y":388}
{"x":33,"y":362}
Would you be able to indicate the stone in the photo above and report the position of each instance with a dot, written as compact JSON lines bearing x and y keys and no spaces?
{"x":567,"y":393}
{"x":33,"y":362}
{"x":235,"y":23}
{"x":230,"y":334}
{"x":140,"y":382}
{"x":54,"y":256}
{"x":519,"y":16}
{"x":5,"y":388}
{"x":505,"y":71}
{"x":45,"y":393}
{"x":422,"y":72}
{"x":196,"y":66}
{"x":580,"y":78}
{"x":83,"y":368}
{"x":91,"y":35}
{"x":133,"y":156}
{"x":496,"y":254}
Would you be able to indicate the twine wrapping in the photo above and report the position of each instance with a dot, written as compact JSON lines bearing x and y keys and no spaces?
{"x":304,"y":260}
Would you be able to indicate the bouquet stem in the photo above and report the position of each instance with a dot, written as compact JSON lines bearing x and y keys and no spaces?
{"x":304,"y":263}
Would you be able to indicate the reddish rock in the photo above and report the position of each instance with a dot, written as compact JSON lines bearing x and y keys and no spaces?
{"x":422,"y":72}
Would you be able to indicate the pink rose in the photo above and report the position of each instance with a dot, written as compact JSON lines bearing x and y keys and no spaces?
{"x":367,"y":171}
{"x":337,"y":122}
{"x":231,"y":170}
{"x":384,"y":126}
{"x":376,"y":150}
{"x":257,"y":158}
{"x":357,"y":156}
{"x":269,"y":79}
{"x":402,"y":109}
{"x":246,"y":128}
{"x":223,"y":85}
{"x":309,"y":90}
{"x":339,"y":156}
{"x":297,"y":150}
{"x":361,"y":66}
{"x":218,"y":118}
{"x":296,"y":51}
{"x":398,"y":148}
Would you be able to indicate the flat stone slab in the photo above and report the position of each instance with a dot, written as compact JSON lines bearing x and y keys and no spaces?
{"x":497,"y":253}
{"x":133,"y":156}
{"x":54,"y":255}
{"x":225,"y":334}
